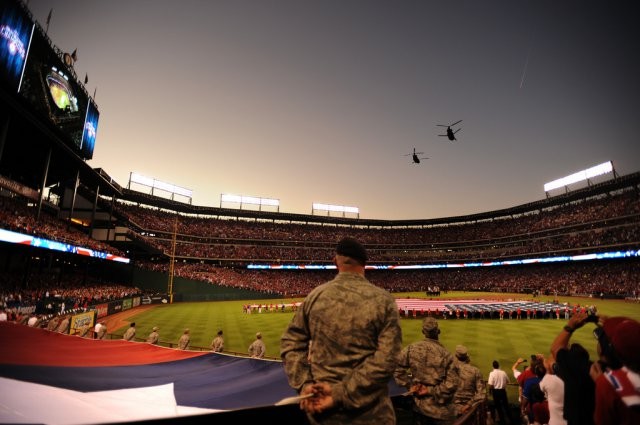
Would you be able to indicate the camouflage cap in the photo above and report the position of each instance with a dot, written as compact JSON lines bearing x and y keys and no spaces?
{"x":429,"y":325}
{"x":461,"y":352}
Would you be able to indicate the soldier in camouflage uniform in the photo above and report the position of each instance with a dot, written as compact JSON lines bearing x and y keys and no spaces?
{"x":427,"y":369}
{"x":356,"y":337}
{"x":472,"y":389}
{"x":130,"y":333}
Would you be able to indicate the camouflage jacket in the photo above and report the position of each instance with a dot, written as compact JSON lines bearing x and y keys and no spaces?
{"x":356,"y":336}
{"x":428,"y":362}
{"x":471,"y":389}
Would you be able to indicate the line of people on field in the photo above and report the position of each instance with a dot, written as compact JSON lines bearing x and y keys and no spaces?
{"x":257,"y":349}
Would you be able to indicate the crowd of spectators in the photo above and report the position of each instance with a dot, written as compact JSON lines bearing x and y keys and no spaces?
{"x":45,"y":294}
{"x":216,"y":249}
{"x":615,"y":278}
{"x":17,"y":215}
{"x":611,"y":222}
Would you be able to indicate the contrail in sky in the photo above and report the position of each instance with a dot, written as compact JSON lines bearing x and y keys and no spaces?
{"x":526,"y":64}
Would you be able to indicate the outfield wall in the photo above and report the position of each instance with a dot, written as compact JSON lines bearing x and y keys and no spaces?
{"x":191,"y":290}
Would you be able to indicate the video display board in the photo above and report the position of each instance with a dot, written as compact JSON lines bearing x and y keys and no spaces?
{"x":53,"y":91}
{"x":31,"y":66}
{"x":15,"y":33}
{"x":90,"y":130}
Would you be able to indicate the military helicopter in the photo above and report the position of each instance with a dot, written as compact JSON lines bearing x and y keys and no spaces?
{"x":450,"y":133}
{"x":414,"y":156}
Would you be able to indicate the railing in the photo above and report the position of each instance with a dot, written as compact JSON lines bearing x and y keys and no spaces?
{"x":477,"y":415}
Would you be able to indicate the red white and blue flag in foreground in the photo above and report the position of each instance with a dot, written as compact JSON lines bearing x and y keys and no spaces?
{"x":47,"y":377}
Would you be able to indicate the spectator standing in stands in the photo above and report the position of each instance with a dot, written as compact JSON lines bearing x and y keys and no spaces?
{"x":217,"y":345}
{"x":356,"y":337}
{"x":498,"y":381}
{"x":257,"y":347}
{"x":527,"y":374}
{"x":153,"y":336}
{"x":428,"y":370}
{"x":553,"y":388}
{"x":130,"y":333}
{"x":618,"y":385}
{"x":516,"y":374}
{"x":185,"y":339}
{"x":102,"y":332}
{"x":573,"y":366}
{"x":471,"y":389}
{"x":531,"y":392}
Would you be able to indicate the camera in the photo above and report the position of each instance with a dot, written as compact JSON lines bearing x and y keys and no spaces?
{"x":593,"y":318}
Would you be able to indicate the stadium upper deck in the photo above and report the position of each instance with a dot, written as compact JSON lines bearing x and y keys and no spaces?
{"x":42,"y":160}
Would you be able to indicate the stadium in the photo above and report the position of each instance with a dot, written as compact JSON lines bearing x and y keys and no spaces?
{"x":76,"y":244}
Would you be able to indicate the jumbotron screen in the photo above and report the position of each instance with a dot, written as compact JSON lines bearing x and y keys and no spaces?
{"x":90,"y":130}
{"x":31,"y":66}
{"x":53,"y":91}
{"x":15,"y":33}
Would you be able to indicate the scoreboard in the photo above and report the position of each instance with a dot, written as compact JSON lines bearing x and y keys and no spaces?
{"x":33,"y":68}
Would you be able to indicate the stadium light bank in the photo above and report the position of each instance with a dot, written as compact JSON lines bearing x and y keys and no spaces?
{"x":250,"y":200}
{"x":154,"y":184}
{"x":340,"y":209}
{"x":584,"y":175}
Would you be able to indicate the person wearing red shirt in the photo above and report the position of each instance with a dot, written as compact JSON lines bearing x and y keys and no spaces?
{"x":618,"y":384}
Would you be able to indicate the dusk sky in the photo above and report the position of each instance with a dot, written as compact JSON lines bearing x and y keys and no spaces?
{"x":320,"y":101}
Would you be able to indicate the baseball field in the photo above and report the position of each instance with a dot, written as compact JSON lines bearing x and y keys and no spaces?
{"x":487,"y":340}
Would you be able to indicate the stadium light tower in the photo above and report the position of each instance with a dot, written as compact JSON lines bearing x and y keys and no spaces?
{"x":583,"y":175}
{"x":335,"y":208}
{"x":154,"y":184}
{"x":250,"y":200}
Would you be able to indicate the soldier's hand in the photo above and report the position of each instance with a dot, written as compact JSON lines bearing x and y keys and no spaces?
{"x":321,"y":401}
{"x":420,"y":390}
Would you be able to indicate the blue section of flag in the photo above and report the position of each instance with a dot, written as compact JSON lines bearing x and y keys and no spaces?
{"x":211,"y":381}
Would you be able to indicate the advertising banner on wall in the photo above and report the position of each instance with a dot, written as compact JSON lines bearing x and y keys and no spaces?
{"x":102,"y":310}
{"x":80,"y":320}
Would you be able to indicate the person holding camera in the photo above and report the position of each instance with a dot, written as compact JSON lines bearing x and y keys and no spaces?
{"x":617,"y":373}
{"x":573,"y":367}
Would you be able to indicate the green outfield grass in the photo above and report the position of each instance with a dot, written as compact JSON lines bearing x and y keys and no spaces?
{"x":486,"y":340}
